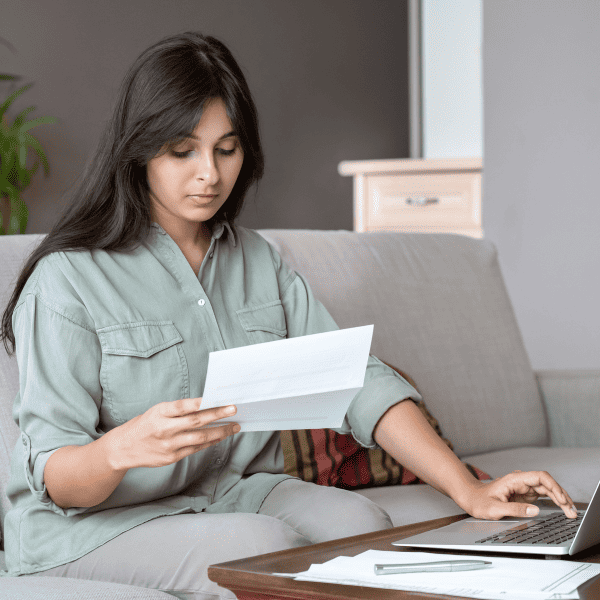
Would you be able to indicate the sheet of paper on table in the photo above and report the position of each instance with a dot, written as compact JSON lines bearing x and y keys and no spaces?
{"x":306,"y":382}
{"x":506,"y":578}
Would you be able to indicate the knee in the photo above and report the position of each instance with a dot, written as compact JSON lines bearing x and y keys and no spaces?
{"x":358,"y":515}
{"x":345,"y":514}
{"x":257,"y":534}
{"x":323,"y":513}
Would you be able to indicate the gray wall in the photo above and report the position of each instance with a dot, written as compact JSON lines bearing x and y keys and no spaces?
{"x":541,"y":196}
{"x":330,"y":79}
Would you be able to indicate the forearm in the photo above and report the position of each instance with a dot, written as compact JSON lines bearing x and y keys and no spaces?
{"x":83,"y":475}
{"x":404,"y":433}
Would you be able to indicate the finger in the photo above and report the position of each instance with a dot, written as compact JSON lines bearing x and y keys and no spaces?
{"x":179,"y":408}
{"x":189,"y":450}
{"x":528,"y":498}
{"x":208,"y":417}
{"x":544,"y":484}
{"x":569,"y":499}
{"x":543,"y":492}
{"x":561,"y":497}
{"x":207,"y":434}
{"x":567,"y":507}
{"x":521,"y":488}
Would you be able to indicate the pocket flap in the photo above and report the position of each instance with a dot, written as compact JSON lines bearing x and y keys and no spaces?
{"x":142,"y":339}
{"x":267,"y":317}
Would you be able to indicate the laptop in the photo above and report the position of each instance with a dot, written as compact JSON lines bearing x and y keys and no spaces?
{"x":550,"y":532}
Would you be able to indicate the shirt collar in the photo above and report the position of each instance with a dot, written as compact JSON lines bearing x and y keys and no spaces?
{"x":217,"y":232}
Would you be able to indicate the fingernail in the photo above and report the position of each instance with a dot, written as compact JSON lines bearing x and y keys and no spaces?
{"x":236,"y":429}
{"x":532,"y":511}
{"x":230,"y":410}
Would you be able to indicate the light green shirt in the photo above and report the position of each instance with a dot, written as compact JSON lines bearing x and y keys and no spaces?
{"x":103,"y":336}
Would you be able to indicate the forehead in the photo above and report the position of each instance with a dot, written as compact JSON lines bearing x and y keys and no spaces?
{"x":214,"y":121}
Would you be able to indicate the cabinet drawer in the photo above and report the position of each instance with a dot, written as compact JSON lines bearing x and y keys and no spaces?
{"x":427,"y":202}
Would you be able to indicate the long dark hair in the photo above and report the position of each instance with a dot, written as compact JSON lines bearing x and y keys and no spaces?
{"x":160,"y":101}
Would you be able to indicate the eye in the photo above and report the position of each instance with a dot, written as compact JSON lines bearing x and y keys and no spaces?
{"x":181,"y":154}
{"x":224,"y":152}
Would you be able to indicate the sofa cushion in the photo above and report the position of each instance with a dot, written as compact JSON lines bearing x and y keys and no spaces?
{"x":325,"y":457}
{"x":410,"y":504}
{"x":66,"y":588}
{"x":441,"y":313}
{"x":577,"y":470}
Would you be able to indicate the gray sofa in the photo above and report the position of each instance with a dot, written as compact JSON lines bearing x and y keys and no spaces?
{"x":441,"y":314}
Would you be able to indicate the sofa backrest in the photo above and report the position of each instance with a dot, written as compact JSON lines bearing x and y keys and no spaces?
{"x":441,"y":314}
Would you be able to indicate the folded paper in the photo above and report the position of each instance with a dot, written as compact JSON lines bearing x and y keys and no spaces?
{"x":306,"y":382}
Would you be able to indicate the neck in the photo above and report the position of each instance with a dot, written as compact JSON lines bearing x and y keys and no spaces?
{"x":186,"y":235}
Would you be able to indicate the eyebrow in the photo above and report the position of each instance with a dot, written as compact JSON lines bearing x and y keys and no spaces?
{"x":227,"y":135}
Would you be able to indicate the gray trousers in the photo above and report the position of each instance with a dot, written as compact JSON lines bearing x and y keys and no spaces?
{"x":173,"y":553}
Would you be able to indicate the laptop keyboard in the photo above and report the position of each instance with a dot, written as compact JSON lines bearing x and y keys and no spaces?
{"x":555,"y":529}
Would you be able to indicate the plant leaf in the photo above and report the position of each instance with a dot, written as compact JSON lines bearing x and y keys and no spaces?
{"x":6,"y":187}
{"x":19,"y":119}
{"x":22,"y":157}
{"x":9,"y":100}
{"x":28,"y":175}
{"x":35,"y":122}
{"x":31,"y":141}
{"x":19,"y":214}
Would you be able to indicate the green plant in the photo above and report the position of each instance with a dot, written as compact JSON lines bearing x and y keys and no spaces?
{"x":15,"y":177}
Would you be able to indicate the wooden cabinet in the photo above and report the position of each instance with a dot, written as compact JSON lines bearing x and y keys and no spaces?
{"x":417,"y":195}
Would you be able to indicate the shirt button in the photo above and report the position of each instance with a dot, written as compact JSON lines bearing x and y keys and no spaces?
{"x":218,"y":461}
{"x":201,"y":302}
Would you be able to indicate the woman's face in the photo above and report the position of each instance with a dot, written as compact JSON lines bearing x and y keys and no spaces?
{"x":191,"y":182}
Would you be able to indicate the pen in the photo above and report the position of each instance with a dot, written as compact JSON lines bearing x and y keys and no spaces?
{"x":428,"y":567}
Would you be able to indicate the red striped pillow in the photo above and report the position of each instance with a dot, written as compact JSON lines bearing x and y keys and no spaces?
{"x":325,"y":457}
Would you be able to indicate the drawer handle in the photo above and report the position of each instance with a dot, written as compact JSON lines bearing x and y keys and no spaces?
{"x":422,"y":201}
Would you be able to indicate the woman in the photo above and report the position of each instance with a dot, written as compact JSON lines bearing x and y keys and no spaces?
{"x":113,"y":318}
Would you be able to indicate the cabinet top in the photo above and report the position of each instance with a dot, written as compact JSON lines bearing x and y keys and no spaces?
{"x":409,"y":165}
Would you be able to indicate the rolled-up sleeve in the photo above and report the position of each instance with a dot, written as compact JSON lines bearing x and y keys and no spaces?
{"x":59,"y":388}
{"x":383,"y":387}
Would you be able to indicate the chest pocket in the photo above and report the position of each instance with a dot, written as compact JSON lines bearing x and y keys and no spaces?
{"x":264,"y":323}
{"x":143,"y":364}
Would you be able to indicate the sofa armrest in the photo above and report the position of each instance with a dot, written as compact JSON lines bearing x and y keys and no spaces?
{"x":572,"y":402}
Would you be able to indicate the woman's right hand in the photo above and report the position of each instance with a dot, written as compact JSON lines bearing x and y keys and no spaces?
{"x":168,"y":432}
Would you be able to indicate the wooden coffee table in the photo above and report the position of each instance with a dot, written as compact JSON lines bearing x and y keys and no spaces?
{"x":251,"y":579}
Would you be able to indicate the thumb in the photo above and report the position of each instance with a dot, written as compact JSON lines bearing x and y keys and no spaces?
{"x":519,"y":509}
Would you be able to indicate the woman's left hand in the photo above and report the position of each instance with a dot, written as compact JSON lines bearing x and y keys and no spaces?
{"x":513,"y":495}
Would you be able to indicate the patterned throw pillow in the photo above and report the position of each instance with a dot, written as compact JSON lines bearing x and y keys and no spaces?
{"x":325,"y":457}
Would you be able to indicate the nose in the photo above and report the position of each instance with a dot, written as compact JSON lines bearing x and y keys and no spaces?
{"x":206,"y":169}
